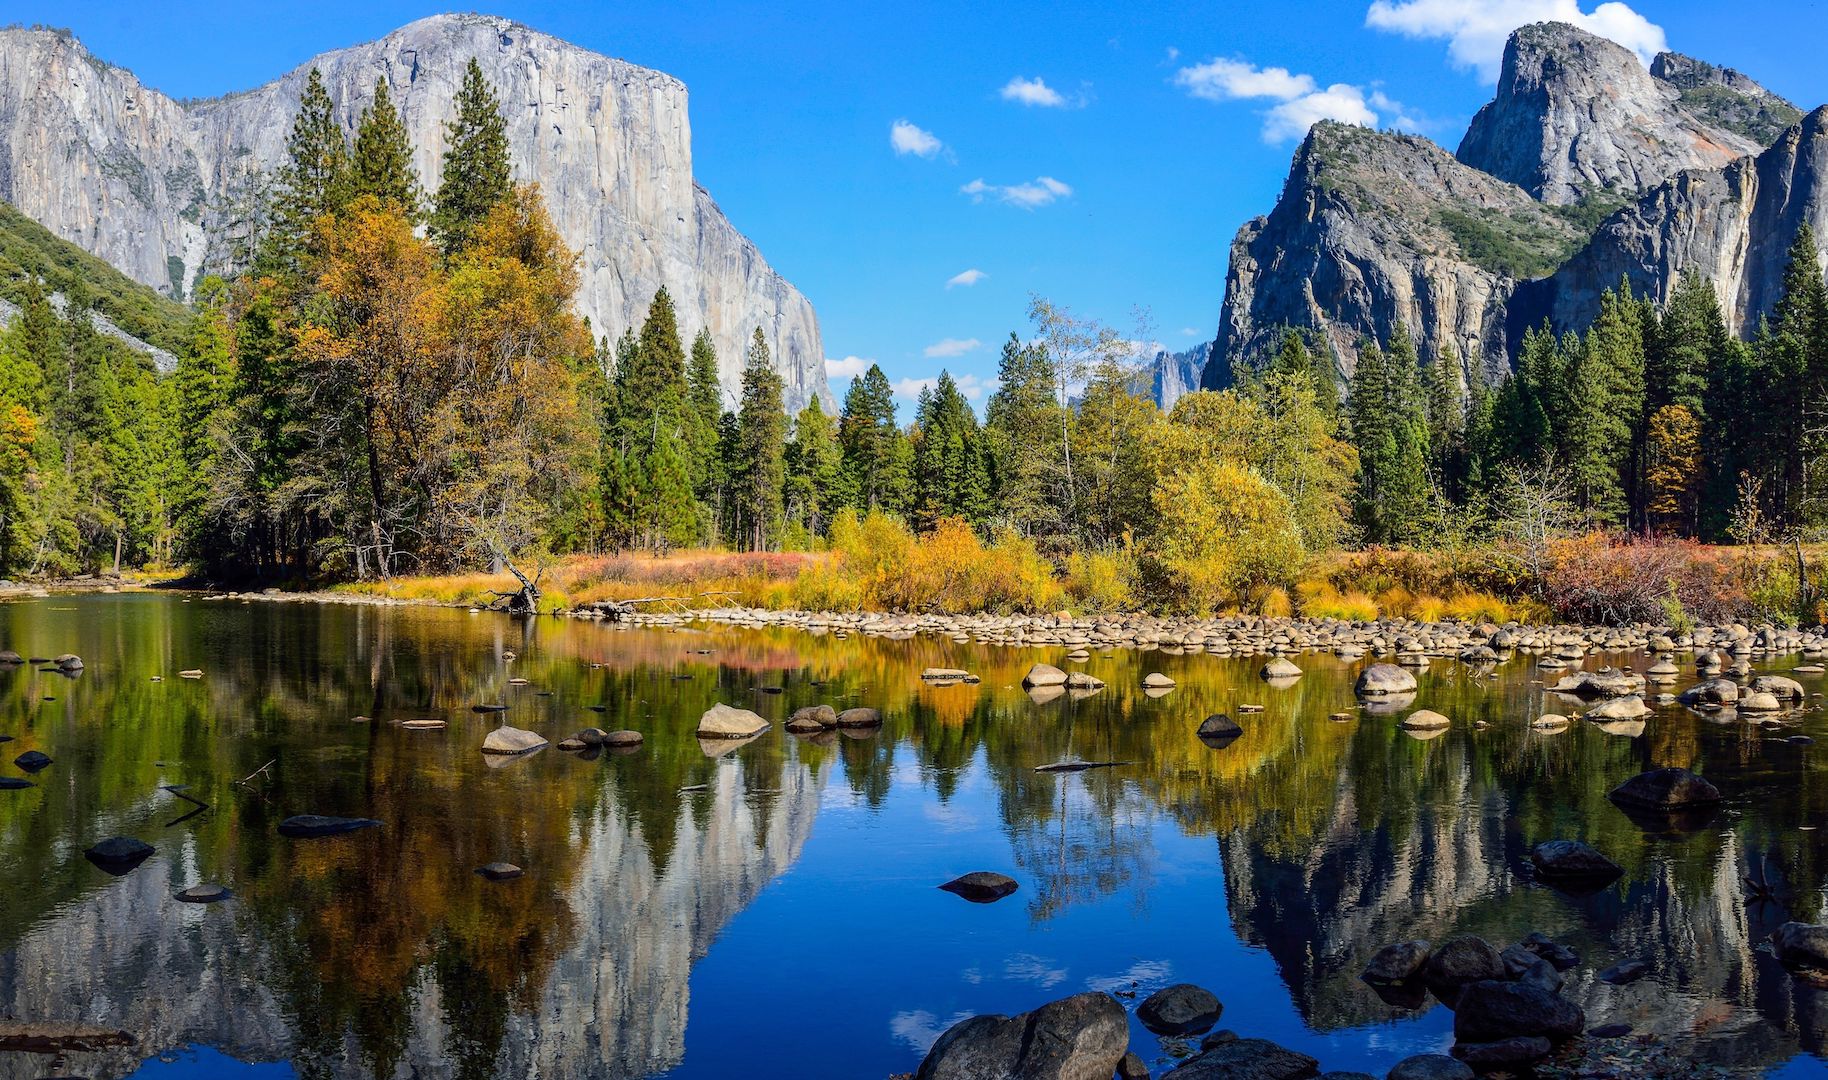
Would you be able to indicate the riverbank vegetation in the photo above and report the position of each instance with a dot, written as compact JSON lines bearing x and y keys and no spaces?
{"x":396,"y":393}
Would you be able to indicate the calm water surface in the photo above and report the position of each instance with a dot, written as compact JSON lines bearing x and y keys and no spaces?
{"x":783,"y":920}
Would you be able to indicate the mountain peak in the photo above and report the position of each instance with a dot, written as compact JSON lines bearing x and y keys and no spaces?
{"x":1577,"y":116}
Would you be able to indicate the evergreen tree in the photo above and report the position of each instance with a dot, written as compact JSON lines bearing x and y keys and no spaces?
{"x":314,"y":181}
{"x":875,"y":469}
{"x":1389,"y":430}
{"x":1022,"y":446}
{"x":476,"y":174}
{"x":383,"y":162}
{"x":1445,"y":409}
{"x":1603,"y":410}
{"x":814,"y":464}
{"x":761,"y":438}
{"x":703,"y":409}
{"x":950,"y":478}
{"x":205,"y":390}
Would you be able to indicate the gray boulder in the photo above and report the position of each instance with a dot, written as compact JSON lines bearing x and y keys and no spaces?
{"x":1573,"y":859}
{"x":981,"y":886}
{"x":1380,"y":679}
{"x":1801,"y":945}
{"x":1397,"y":962}
{"x":1665,"y":789}
{"x":722,"y":721}
{"x":1463,"y":960}
{"x":511,"y":740}
{"x":1044,"y":675}
{"x":1181,"y":1009}
{"x":1082,"y":1037}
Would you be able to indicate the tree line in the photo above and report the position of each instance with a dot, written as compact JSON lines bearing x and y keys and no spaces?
{"x":397,"y":382}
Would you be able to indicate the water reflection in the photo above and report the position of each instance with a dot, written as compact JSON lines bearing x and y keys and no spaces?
{"x":1311,"y":839}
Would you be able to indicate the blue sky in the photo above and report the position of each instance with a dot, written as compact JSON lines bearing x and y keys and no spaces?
{"x":1098,"y":154}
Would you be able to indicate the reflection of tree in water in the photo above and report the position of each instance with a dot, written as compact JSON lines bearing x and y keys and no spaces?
{"x":1095,"y":840}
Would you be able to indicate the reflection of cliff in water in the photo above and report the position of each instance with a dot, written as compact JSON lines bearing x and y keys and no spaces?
{"x":1457,"y":864}
{"x":613,"y":1005}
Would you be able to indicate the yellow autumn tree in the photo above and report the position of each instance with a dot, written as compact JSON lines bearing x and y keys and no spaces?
{"x":1224,"y":533}
{"x":1672,"y":450}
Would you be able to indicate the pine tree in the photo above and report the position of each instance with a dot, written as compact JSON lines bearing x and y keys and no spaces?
{"x":1020,"y":426}
{"x":874,"y":476}
{"x":383,"y":161}
{"x":476,"y":173}
{"x":1389,"y":430}
{"x":205,"y":387}
{"x":761,"y":441}
{"x":703,"y":408}
{"x":813,"y":465}
{"x":1603,"y":410}
{"x":314,"y":181}
{"x":1446,"y":415}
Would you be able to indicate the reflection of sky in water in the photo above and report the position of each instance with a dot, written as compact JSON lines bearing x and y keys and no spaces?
{"x":789,"y":913}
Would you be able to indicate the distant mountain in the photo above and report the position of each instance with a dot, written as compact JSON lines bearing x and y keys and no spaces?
{"x":1583,"y":167}
{"x":165,"y":190}
{"x":1174,"y":375}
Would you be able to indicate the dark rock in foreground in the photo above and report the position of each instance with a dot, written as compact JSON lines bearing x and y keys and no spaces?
{"x":1626,"y":971}
{"x":1573,"y":859}
{"x":1514,"y":1053}
{"x":1082,"y":1037}
{"x":1490,"y":1011}
{"x":1246,"y":1059}
{"x":981,"y":886}
{"x":52,"y":1037}
{"x":1429,"y":1067}
{"x":309,"y":826}
{"x":33,"y":761}
{"x":1801,"y":945}
{"x":1396,"y":963}
{"x":1665,"y":789}
{"x":1463,"y":960}
{"x":13,"y":783}
{"x":1181,"y":1009}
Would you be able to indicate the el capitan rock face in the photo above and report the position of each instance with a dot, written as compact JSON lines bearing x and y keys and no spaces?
{"x":1377,"y":228}
{"x":164,"y":190}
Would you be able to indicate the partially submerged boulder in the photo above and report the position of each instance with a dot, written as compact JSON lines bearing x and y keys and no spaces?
{"x":1490,"y":1010}
{"x":1380,"y":679}
{"x":1398,"y":962}
{"x":311,"y":826}
{"x":1665,"y":789}
{"x":1181,"y":1009}
{"x":981,"y":886}
{"x":1082,"y":1037}
{"x":511,"y":740}
{"x":722,"y":721}
{"x":1044,"y":675}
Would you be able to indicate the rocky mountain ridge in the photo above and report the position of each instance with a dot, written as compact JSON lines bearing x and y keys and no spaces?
{"x":167,"y":190}
{"x":1584,"y":166}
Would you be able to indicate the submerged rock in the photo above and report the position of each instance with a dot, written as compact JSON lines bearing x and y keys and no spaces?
{"x":311,"y":826}
{"x":1424,"y":720}
{"x":1181,"y":1009}
{"x":981,"y":886}
{"x":33,"y":761}
{"x":13,"y":783}
{"x":68,"y":662}
{"x":500,"y":871}
{"x":1801,"y":945}
{"x":622,"y":738}
{"x":722,"y":721}
{"x":1518,"y":1052}
{"x":1082,"y":1037}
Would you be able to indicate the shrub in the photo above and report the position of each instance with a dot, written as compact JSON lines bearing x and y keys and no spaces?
{"x":1604,"y":579}
{"x":1102,"y":581}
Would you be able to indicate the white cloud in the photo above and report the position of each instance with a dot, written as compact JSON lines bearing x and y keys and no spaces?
{"x":1186,"y":331}
{"x":1227,"y":80}
{"x":848,"y":368}
{"x":1300,"y":100}
{"x":952,"y":347}
{"x":1037,"y":192}
{"x":973,"y":387}
{"x":1034,"y":92}
{"x":908,"y":138}
{"x":966,"y":279}
{"x":1341,"y":101}
{"x":1476,"y":30}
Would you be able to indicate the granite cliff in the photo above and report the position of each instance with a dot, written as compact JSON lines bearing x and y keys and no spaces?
{"x":165,"y":190}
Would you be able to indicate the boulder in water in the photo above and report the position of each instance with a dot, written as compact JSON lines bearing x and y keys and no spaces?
{"x":1665,"y":789}
{"x":119,"y":854}
{"x":1083,"y":1036}
{"x":1429,"y":1067}
{"x":1573,"y":859}
{"x":1380,"y":679}
{"x":312,"y":826}
{"x":1490,"y":1010}
{"x":1280,"y":668}
{"x":981,"y":886}
{"x":1181,"y":1009}
{"x":1245,"y":1059}
{"x":859,"y":717}
{"x":511,"y":740}
{"x":1397,"y":962}
{"x":722,"y":721}
{"x":33,"y":761}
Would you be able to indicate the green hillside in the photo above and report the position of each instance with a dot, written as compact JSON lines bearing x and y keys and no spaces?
{"x":28,"y":249}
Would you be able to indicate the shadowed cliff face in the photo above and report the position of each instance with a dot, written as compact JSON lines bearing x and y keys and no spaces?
{"x":165,"y":190}
{"x":1732,"y":226}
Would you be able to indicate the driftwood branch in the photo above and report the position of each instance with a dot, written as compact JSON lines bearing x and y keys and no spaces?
{"x":256,"y":772}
